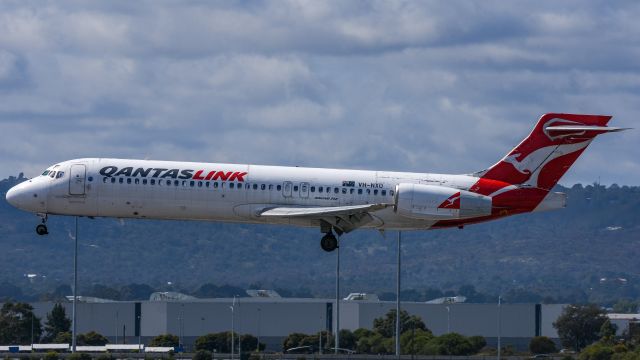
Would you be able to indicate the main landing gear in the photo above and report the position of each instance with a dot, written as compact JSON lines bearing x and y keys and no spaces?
{"x":329,"y":242}
{"x":41,"y":229}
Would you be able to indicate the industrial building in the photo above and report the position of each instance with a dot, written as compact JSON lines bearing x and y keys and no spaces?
{"x":271,"y":319}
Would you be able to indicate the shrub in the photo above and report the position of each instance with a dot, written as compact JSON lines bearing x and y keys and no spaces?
{"x":51,"y":355}
{"x":202,"y":355}
{"x":542,"y":345}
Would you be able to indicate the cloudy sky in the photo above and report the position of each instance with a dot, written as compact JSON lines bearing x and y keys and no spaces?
{"x":438,"y":86}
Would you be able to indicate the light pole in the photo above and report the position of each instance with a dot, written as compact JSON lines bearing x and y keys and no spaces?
{"x":181,"y":325}
{"x":139,"y":333}
{"x":117,"y":313}
{"x":499,"y":326}
{"x":398,"y":294}
{"x":448,"y":320}
{"x":232,"y":325}
{"x":337,"y":332}
{"x":258,"y":345}
{"x":75,"y":290}
{"x":32,"y":331}
{"x":239,"y":328}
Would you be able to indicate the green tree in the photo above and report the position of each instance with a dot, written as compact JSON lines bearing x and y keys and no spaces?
{"x":596,"y":351}
{"x":92,"y":338}
{"x":249,"y":342}
{"x":293,"y":340}
{"x":62,"y":338}
{"x":386,"y":326}
{"x":220,"y":342}
{"x":168,"y":340}
{"x":16,"y":320}
{"x":453,"y":344}
{"x":579,"y":325}
{"x":542,"y":345}
{"x":608,"y":332}
{"x":411,"y":342}
{"x":57,"y":322}
{"x":477,"y":343}
{"x":203,"y":355}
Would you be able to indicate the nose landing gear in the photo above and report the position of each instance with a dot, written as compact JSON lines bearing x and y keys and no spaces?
{"x":41,"y":229}
{"x":329,"y":242}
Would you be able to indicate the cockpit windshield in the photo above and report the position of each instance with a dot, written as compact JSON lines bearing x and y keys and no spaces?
{"x":45,"y":172}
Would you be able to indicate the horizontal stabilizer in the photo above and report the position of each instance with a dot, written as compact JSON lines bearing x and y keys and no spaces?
{"x":568,"y":128}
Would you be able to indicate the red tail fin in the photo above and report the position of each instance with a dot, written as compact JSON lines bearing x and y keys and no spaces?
{"x":551,"y":148}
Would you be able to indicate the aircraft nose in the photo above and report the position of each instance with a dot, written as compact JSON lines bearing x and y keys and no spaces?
{"x":26,"y":196}
{"x":13,"y":196}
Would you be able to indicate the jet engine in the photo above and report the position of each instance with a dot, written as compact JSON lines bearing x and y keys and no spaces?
{"x":431,"y":202}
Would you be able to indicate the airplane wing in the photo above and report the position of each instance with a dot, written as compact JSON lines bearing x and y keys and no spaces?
{"x":343,"y":218}
{"x":321,"y":211}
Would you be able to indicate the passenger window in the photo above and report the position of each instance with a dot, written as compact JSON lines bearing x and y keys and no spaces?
{"x":270,"y":187}
{"x":279,"y":187}
{"x":295,"y":188}
{"x":328,"y":189}
{"x":375,"y":192}
{"x":169,"y":182}
{"x":206,"y":184}
{"x":215,"y":185}
{"x":383,"y":192}
{"x":144,"y":181}
{"x":255,"y":186}
{"x":113,"y":180}
{"x":121,"y":180}
{"x":262,"y":187}
{"x":336,"y":190}
{"x":247,"y":186}
{"x":231,"y":185}
{"x":344,"y":190}
{"x":391,"y":192}
{"x":368,"y":191}
{"x":128,"y":180}
{"x":90,"y":178}
{"x":153,"y":181}
{"x":192,"y":183}
{"x":351,"y":191}
{"x":176,"y":182}
{"x":313,"y":189}
{"x":136,"y":181}
{"x":222,"y":185}
{"x":104,"y":179}
{"x":199,"y":183}
{"x":359,"y":191}
{"x":239,"y":186}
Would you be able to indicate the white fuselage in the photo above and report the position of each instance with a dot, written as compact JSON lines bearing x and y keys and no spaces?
{"x":219,"y":192}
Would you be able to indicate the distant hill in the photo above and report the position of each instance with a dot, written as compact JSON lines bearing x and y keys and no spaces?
{"x":589,"y":250}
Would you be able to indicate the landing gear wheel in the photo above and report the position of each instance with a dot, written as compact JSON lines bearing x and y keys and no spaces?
{"x":42,"y":229}
{"x":329,"y":242}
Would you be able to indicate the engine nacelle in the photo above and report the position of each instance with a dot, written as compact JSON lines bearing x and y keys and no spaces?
{"x":431,"y":202}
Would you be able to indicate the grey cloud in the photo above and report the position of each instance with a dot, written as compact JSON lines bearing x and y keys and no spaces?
{"x":416,"y":86}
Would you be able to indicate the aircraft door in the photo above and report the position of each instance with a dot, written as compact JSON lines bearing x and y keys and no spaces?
{"x":287,"y":187}
{"x":77,"y":177}
{"x":304,"y":190}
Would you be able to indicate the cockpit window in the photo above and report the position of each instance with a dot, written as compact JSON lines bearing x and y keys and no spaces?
{"x":45,"y":173}
{"x":60,"y":174}
{"x":52,"y":174}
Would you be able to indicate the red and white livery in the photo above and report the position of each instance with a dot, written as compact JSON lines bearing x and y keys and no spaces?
{"x":334,"y":200}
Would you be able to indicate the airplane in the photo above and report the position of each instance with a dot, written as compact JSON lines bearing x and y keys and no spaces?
{"x":337,"y":201}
